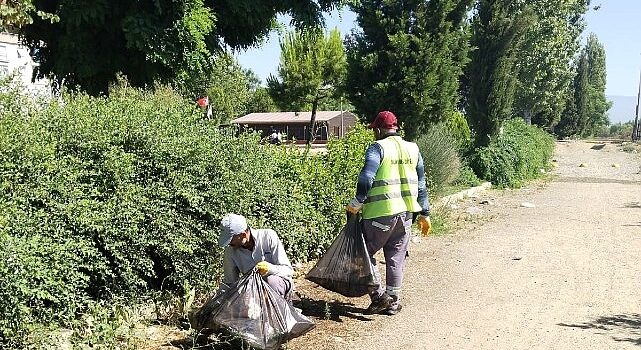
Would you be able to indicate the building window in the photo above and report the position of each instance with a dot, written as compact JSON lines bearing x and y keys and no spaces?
{"x":4,"y":70}
{"x":3,"y":53}
{"x":337,"y":131}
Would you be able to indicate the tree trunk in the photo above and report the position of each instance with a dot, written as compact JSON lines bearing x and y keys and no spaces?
{"x":311,"y":135}
{"x":527,"y":116}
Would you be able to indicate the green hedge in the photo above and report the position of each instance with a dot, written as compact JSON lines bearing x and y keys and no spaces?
{"x":515,"y":156}
{"x":122,"y":196}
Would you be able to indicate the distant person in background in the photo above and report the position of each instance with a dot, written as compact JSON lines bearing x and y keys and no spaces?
{"x":275,"y":138}
{"x":391,"y":190}
{"x":203,"y":103}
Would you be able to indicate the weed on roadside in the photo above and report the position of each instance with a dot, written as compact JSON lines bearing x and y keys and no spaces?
{"x":630,"y":147}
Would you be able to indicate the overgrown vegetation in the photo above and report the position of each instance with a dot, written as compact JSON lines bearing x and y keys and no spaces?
{"x":518,"y":154}
{"x":120,"y":196}
{"x":617,"y":130}
{"x":442,"y":163}
{"x":109,"y":199}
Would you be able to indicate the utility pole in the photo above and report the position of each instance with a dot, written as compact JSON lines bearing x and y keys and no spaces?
{"x":636,"y":131}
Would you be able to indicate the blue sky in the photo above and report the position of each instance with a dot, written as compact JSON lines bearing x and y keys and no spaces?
{"x":264,"y":60}
{"x":616,"y":23}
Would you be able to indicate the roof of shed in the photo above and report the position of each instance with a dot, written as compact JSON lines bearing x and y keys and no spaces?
{"x":287,"y":117}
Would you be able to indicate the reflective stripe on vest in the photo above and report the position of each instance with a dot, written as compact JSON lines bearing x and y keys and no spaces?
{"x":395,"y":186}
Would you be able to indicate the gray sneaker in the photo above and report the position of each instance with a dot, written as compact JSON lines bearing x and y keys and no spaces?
{"x":395,"y":307}
{"x":383,"y":302}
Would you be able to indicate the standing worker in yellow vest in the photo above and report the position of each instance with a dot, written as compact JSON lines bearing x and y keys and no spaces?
{"x":390,"y":191}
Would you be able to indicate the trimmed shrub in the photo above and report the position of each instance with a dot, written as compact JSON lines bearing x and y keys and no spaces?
{"x":515,"y":156}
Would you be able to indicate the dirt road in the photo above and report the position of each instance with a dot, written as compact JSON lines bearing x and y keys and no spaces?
{"x":564,"y":274}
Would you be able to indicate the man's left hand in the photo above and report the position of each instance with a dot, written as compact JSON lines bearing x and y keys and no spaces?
{"x":424,"y":224}
{"x":263,"y":267}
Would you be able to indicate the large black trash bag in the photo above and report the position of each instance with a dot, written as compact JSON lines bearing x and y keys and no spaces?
{"x":255,"y":312}
{"x":346,"y":267}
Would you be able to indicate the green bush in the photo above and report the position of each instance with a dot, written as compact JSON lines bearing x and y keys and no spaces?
{"x":13,"y":99}
{"x":442,"y":163}
{"x":459,"y":129}
{"x":121,"y":196}
{"x":311,"y":209}
{"x":516,"y":155}
{"x":467,"y":177}
{"x":617,"y":130}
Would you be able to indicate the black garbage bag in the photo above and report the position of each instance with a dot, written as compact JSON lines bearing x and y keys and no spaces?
{"x":255,"y":312}
{"x":346,"y":267}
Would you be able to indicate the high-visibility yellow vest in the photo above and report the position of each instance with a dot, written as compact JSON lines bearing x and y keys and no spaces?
{"x":395,"y":187}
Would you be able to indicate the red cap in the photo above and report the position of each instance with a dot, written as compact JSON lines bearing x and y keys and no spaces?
{"x":384,"y":120}
{"x":203,"y":101}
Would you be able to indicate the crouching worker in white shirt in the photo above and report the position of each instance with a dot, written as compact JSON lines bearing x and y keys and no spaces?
{"x":246,"y":248}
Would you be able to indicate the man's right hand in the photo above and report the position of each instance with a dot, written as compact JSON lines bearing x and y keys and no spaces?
{"x":354,"y":207}
{"x":263,"y":267}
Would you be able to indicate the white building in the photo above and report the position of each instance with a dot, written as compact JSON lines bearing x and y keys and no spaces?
{"x":14,"y":58}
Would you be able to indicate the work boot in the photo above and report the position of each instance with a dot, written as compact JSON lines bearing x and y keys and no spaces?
{"x":379,"y":304}
{"x":395,"y":307}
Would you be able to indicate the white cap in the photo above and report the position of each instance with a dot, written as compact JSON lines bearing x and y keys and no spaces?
{"x":231,"y":225}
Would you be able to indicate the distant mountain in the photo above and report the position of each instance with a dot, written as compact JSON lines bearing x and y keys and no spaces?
{"x":623,"y":108}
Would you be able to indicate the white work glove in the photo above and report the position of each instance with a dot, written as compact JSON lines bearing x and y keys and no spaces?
{"x":354,"y":206}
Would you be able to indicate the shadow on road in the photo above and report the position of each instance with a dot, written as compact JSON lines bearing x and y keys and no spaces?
{"x":636,"y":205}
{"x":627,"y":324}
{"x":222,"y":342}
{"x":333,"y":310}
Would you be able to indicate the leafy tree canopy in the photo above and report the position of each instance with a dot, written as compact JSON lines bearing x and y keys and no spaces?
{"x":588,"y":114}
{"x":16,"y":13}
{"x":312,"y":66}
{"x":408,"y":59}
{"x":545,"y":58}
{"x":151,"y":40}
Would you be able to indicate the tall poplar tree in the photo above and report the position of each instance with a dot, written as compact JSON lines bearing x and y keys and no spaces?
{"x":408,"y":58}
{"x":545,"y":55}
{"x":497,"y":32}
{"x":594,"y":110}
{"x":588,"y":112}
